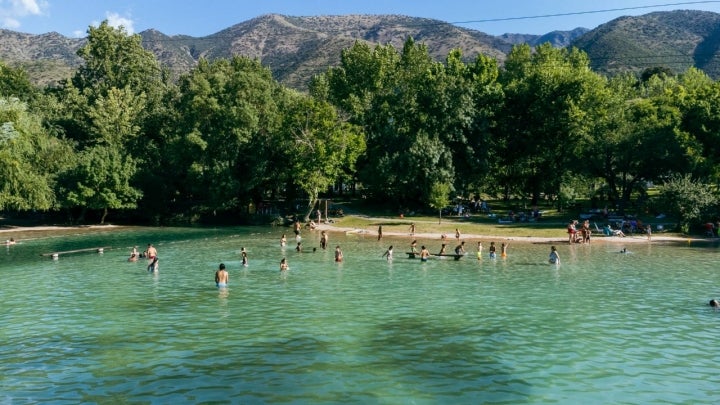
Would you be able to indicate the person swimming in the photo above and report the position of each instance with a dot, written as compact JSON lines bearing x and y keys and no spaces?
{"x":714,"y":303}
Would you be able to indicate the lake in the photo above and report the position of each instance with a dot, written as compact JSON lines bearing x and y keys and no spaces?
{"x":603,"y":327}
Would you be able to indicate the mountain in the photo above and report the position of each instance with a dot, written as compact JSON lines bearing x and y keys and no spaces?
{"x":296,"y":48}
{"x":673,"y":39}
{"x":558,"y":39}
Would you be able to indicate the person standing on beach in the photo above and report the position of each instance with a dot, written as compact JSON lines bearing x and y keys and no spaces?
{"x":379,"y":232}
{"x":648,"y":230}
{"x":412,"y":229}
{"x":572,"y":232}
{"x":457,"y":234}
{"x":221,"y":276}
{"x":338,"y":254}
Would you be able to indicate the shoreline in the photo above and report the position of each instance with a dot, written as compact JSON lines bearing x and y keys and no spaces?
{"x":656,"y":238}
{"x":522,"y":239}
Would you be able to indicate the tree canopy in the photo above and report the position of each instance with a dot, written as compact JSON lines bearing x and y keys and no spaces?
{"x":120,"y":136}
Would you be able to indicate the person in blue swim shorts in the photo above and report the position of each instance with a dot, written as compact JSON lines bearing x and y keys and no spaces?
{"x":221,"y":276}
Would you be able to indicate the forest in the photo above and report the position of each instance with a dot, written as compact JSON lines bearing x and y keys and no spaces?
{"x":124,"y":138}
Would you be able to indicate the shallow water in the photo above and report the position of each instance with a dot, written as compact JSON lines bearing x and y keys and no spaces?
{"x":602,"y":327}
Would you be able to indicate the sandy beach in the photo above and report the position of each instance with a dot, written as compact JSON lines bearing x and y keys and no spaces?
{"x":562,"y":237}
{"x":19,"y":233}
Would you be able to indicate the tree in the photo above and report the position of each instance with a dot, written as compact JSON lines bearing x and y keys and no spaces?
{"x":319,"y":146}
{"x":413,"y":115}
{"x":15,"y":83}
{"x":110,"y":108}
{"x":101,"y":180}
{"x":29,"y":159}
{"x":544,"y":91}
{"x":227,"y":115}
{"x":439,"y":197}
{"x":687,"y":199}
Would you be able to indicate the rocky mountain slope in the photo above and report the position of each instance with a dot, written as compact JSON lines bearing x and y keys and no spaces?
{"x":296,"y":48}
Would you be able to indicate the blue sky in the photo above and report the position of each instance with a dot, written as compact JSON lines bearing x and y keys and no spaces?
{"x":199,"y":18}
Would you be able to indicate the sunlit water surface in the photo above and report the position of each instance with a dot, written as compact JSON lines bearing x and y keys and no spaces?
{"x":603,"y":327}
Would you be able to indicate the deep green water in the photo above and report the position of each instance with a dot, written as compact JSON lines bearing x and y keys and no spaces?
{"x":603,"y":327}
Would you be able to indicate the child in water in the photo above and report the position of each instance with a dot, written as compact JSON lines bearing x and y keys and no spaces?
{"x":388,"y":253}
{"x":338,"y":254}
{"x":554,"y":256}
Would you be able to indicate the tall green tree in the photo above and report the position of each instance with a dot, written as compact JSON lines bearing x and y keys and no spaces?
{"x":227,"y":115}
{"x":101,"y":181}
{"x":633,"y":135}
{"x":698,"y":98}
{"x":320,"y":148}
{"x":30,"y":159}
{"x":412,"y":112}
{"x":16,"y":83}
{"x":110,"y":107}
{"x":544,"y":89}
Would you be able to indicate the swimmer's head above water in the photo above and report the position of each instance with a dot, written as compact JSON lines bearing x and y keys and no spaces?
{"x":714,"y":303}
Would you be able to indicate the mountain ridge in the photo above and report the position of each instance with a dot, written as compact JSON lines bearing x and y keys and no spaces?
{"x":296,"y":48}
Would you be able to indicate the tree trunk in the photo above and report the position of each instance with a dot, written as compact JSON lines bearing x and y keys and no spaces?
{"x":311,"y":205}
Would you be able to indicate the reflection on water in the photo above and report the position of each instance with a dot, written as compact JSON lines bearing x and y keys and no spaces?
{"x":601,"y":327}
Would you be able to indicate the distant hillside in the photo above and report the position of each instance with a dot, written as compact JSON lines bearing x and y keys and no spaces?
{"x":672,"y":39}
{"x":296,"y":48}
{"x":47,"y":57}
{"x":558,"y":39}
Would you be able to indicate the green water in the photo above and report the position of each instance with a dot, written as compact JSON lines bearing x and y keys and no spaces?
{"x":603,"y":327}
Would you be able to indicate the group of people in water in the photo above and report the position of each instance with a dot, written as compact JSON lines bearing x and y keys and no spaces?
{"x":150,"y":253}
{"x":222,"y":275}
